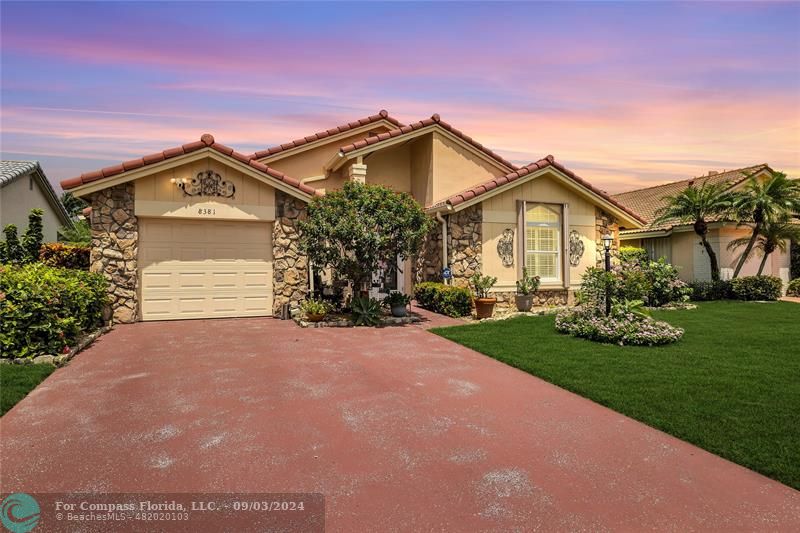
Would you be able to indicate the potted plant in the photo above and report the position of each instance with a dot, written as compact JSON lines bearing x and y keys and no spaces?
{"x":526,"y":287}
{"x":484,"y":305}
{"x":397,"y":302}
{"x":315,"y":310}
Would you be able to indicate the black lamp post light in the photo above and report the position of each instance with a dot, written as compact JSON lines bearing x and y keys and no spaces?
{"x":608,"y":239}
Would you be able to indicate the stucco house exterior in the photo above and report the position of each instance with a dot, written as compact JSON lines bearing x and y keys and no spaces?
{"x":202,"y":230}
{"x":24,"y":186}
{"x":679,"y":244}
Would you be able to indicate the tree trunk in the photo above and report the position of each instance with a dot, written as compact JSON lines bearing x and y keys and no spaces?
{"x":748,"y":249}
{"x":712,"y":258}
{"x":763,"y":262}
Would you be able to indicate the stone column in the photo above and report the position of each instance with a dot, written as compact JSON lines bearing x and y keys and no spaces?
{"x":115,"y":248}
{"x":605,"y":223}
{"x":428,"y":262}
{"x":357,"y":172}
{"x":464,"y":243}
{"x":290,"y":265}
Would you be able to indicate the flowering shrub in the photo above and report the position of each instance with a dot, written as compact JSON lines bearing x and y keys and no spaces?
{"x":655,"y":283}
{"x":43,"y":310}
{"x":623,"y":327}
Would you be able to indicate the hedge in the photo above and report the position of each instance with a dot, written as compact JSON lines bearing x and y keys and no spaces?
{"x":756,"y":288}
{"x":57,"y":254}
{"x":711,"y":290}
{"x":794,"y":288}
{"x":444,"y":299}
{"x":43,"y":310}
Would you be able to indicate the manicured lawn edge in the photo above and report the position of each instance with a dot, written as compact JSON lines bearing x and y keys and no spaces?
{"x":729,"y":386}
{"x":16,"y":381}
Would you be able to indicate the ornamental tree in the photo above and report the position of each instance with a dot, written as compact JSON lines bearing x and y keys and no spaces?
{"x":360,"y":228}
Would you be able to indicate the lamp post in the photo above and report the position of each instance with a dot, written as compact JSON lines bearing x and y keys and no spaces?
{"x":607,"y":240}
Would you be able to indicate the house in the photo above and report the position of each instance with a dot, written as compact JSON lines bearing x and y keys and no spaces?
{"x":201,"y":230}
{"x":680,"y":245}
{"x":24,"y":186}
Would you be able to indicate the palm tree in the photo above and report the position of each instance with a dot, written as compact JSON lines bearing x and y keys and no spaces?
{"x":696,"y":205}
{"x":79,"y":233}
{"x":772,"y":236}
{"x":765,"y":201}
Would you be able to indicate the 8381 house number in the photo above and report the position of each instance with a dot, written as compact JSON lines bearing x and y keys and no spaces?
{"x":206,"y":211}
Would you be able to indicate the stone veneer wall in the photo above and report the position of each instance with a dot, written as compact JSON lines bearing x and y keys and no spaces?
{"x":605,"y":223}
{"x":428,"y":263}
{"x":290,"y":265}
{"x":115,"y":247}
{"x":541,"y":298}
{"x":464,"y":243}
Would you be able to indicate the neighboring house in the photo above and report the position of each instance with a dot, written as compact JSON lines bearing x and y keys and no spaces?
{"x":201,"y":230}
{"x":678,"y":242}
{"x":23,"y":186}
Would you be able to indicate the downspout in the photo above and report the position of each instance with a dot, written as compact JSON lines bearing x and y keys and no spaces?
{"x":441,"y":219}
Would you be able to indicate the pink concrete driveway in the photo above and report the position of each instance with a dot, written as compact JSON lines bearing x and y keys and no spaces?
{"x":401,"y":430}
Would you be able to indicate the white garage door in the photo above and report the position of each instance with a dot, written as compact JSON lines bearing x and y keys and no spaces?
{"x":204,"y":269}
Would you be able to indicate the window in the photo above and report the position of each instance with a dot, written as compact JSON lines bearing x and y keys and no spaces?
{"x":658,"y":248}
{"x":543,"y":241}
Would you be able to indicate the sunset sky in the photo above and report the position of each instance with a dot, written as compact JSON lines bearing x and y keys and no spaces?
{"x":624,"y":94}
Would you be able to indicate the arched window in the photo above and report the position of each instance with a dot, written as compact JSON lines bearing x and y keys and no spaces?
{"x":543,"y":241}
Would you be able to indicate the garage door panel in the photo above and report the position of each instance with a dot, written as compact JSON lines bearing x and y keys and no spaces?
{"x":205,"y":269}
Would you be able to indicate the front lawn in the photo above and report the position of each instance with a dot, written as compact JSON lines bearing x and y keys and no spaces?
{"x":16,"y":381}
{"x":731,"y":385}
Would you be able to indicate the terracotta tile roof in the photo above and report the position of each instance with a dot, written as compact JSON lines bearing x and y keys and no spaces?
{"x":382,"y":115}
{"x":206,"y":141}
{"x":648,"y":200}
{"x":435,"y":119}
{"x":548,"y":161}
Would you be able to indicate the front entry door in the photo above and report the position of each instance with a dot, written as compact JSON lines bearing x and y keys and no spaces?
{"x":386,"y":280}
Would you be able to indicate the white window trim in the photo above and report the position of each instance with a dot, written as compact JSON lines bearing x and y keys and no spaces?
{"x":562,"y":267}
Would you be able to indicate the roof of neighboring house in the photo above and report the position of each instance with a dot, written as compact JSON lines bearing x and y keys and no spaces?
{"x":434,"y":120}
{"x":10,"y":171}
{"x":548,"y":161}
{"x":206,"y":141}
{"x":649,"y":200}
{"x":381,"y":115}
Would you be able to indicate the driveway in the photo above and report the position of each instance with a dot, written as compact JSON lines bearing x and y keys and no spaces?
{"x":400,"y":429}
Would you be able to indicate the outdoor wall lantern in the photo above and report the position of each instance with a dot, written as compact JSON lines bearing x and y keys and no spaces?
{"x":207,"y":183}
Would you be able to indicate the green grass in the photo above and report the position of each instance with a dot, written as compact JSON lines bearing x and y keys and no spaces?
{"x":16,"y":381}
{"x":731,"y":385}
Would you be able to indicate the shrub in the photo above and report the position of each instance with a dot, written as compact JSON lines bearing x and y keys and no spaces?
{"x":633,"y":255}
{"x":624,"y":326}
{"x":444,"y":299}
{"x":794,"y":287}
{"x":56,"y":254}
{"x":366,"y":311}
{"x":43,"y":310}
{"x":315,"y":307}
{"x":656,"y":283}
{"x":756,"y":288}
{"x":711,"y":290}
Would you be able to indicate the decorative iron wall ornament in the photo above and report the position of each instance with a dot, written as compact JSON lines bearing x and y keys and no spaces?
{"x":207,"y":183}
{"x":505,"y":247}
{"x":575,"y":248}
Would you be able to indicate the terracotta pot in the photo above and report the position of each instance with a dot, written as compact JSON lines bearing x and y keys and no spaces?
{"x":524,"y":302}
{"x":484,"y":307}
{"x":315,"y":318}
{"x":399,"y":310}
